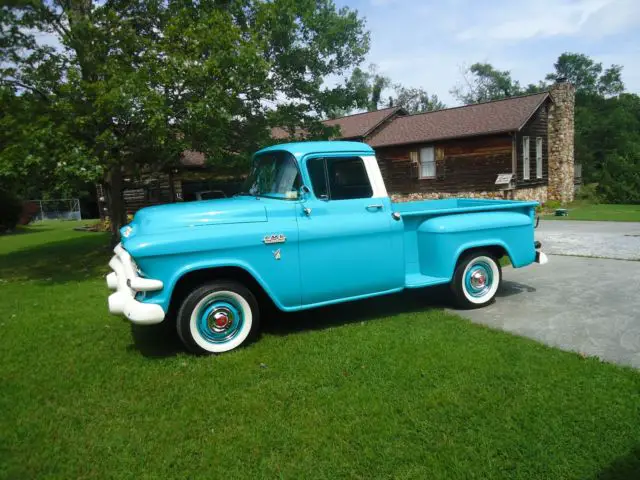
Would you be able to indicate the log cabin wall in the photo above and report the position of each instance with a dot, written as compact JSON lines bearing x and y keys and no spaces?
{"x":536,"y":127}
{"x":462,"y":165}
{"x":151,"y":189}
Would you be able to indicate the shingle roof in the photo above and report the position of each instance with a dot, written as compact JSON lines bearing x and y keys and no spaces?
{"x":499,"y":116}
{"x":351,"y":126}
{"x":360,"y":124}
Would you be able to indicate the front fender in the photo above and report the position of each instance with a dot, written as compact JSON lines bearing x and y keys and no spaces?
{"x":163,"y":297}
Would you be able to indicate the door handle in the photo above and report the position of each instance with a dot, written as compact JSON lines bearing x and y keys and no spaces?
{"x":376,"y":206}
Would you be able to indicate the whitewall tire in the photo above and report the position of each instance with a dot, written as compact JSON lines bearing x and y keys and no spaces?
{"x":218,"y":317}
{"x":476,"y":279}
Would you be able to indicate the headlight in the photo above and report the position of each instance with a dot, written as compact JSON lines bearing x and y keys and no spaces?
{"x":126,"y":231}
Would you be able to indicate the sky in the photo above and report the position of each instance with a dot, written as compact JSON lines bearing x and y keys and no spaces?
{"x":428,"y":43}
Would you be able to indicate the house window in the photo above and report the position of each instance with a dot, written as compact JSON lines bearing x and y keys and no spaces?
{"x":539,"y":157}
{"x":427,"y":163}
{"x":525,"y":158}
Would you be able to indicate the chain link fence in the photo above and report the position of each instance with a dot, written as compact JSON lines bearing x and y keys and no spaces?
{"x":58,"y":209}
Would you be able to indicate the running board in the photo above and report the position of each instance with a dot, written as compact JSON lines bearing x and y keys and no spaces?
{"x":417,"y":280}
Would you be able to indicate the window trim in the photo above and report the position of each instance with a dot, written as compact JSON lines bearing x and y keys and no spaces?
{"x":430,"y":177}
{"x":539,"y":159}
{"x":526,"y":160}
{"x":326,"y":178}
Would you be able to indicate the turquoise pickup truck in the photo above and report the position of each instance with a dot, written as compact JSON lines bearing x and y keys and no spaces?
{"x":313,"y":227}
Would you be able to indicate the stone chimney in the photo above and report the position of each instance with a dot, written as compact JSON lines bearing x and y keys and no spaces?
{"x":561,"y":133}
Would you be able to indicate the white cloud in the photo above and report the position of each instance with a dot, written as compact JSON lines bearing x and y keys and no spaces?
{"x":424,"y":43}
{"x":551,"y":18}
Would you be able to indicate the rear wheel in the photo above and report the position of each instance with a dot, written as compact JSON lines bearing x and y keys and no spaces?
{"x":218,"y":317}
{"x":476,"y":279}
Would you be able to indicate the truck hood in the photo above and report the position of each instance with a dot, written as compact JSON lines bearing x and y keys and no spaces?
{"x":173,"y":216}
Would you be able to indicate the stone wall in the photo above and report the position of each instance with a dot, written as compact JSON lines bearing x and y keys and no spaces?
{"x":561,"y":142}
{"x":539,"y":194}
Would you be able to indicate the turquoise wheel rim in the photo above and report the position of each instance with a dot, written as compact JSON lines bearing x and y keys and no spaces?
{"x":478,"y":279}
{"x":219,"y":320}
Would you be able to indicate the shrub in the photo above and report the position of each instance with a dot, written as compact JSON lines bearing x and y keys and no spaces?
{"x":551,"y":205}
{"x":10,"y":210}
{"x":620,"y":181}
{"x":589,"y":193}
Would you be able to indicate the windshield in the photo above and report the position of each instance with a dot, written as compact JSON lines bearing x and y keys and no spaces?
{"x":274,"y":175}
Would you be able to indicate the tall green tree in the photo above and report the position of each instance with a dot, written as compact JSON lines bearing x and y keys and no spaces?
{"x":130,"y":84}
{"x":587,"y":76}
{"x":367,"y":87}
{"x":415,"y":100}
{"x":482,"y":82}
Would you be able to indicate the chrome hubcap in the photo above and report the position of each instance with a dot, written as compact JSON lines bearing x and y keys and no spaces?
{"x":220,"y":319}
{"x":478,"y":279}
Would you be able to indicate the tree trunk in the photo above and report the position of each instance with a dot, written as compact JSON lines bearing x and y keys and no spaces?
{"x":117,"y":213}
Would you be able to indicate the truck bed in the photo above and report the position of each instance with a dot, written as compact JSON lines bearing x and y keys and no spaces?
{"x":437,"y":231}
{"x":456,"y":205}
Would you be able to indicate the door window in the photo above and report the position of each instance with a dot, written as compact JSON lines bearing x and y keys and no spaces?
{"x":339,"y":178}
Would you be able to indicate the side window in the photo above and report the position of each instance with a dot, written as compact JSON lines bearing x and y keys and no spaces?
{"x":348,"y":178}
{"x":427,"y":163}
{"x":318,"y":176}
{"x":539,"y":157}
{"x":525,"y":158}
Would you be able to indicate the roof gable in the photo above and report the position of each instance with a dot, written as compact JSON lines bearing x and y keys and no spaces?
{"x":361,"y":124}
{"x":507,"y":115}
{"x":354,"y":126}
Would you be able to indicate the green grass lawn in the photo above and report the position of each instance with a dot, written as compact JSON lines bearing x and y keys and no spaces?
{"x":390,"y":388}
{"x":603,"y":212}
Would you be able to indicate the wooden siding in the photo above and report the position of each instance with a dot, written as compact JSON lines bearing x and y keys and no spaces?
{"x":462,"y":165}
{"x":150,"y":190}
{"x":159,"y":188}
{"x":536,"y":127}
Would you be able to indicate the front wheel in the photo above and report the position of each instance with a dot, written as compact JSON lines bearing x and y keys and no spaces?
{"x":218,"y":317}
{"x":476,"y":280}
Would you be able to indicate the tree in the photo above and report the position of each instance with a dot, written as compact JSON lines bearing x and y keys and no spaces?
{"x":129,"y":85}
{"x":588,"y":76}
{"x":482,"y":83}
{"x":415,"y":100}
{"x":367,"y":88}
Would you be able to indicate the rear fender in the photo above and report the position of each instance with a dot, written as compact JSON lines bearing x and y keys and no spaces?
{"x":443,"y":239}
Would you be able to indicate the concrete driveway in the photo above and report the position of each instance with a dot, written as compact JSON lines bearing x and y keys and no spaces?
{"x":586,"y":305}
{"x":591,"y":239}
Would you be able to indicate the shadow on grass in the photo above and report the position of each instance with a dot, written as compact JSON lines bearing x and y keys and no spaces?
{"x":279,"y":323}
{"x":156,"y":341}
{"x":161,"y":341}
{"x":23,"y":230}
{"x":74,"y":259}
{"x":623,"y":468}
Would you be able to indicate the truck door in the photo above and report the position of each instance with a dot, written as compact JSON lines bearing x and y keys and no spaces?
{"x":345,"y":235}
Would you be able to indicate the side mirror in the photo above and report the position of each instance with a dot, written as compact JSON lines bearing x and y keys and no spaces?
{"x":304,"y":192}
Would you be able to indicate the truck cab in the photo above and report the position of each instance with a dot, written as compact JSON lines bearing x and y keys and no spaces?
{"x":313,"y":226}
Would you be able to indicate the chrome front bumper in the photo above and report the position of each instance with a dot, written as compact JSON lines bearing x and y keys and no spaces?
{"x":126,"y":281}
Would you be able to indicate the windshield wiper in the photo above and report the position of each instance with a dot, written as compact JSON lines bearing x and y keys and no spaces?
{"x":243,"y":194}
